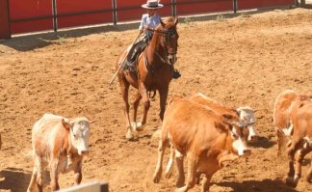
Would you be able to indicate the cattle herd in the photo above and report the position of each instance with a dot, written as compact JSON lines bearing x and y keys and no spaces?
{"x":199,"y":128}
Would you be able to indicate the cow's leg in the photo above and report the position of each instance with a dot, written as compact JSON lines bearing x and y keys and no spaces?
{"x":170,"y":162}
{"x":181,"y":177}
{"x":136,"y":125}
{"x":298,"y":162}
{"x":39,"y":179}
{"x":146,"y":101}
{"x":191,"y":175}
{"x":54,"y":175}
{"x":32,"y":180}
{"x":309,"y":174}
{"x":290,"y":174}
{"x":163,"y":93}
{"x":124,"y":88}
{"x":78,"y":174}
{"x":161,"y":151}
{"x":297,"y":153}
{"x":291,"y":171}
{"x":280,"y":141}
{"x":206,"y":182}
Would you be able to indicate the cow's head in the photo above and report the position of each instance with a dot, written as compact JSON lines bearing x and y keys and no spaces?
{"x":246,"y":114}
{"x":79,"y":133}
{"x":239,"y":146}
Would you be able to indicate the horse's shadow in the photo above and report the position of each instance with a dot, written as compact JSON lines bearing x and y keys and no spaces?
{"x":33,"y":41}
{"x":266,"y":185}
{"x":15,"y":180}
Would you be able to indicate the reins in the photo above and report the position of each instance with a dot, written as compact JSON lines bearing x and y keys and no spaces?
{"x":164,"y":32}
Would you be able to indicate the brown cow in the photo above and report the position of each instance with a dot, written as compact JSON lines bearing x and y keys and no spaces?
{"x":283,"y":106}
{"x":60,"y":144}
{"x":301,"y":140}
{"x":243,"y":115}
{"x":204,"y":136}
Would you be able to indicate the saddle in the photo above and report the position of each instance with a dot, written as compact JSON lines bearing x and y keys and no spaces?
{"x":132,"y":57}
{"x":131,"y":61}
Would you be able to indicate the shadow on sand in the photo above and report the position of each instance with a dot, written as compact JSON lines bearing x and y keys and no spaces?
{"x":266,"y":185}
{"x":15,"y":180}
{"x":263,"y":142}
{"x":30,"y":42}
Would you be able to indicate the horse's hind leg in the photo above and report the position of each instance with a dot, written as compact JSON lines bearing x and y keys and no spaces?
{"x":124,"y":88}
{"x":146,"y":102}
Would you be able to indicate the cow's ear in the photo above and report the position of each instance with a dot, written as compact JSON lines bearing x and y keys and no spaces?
{"x":66,"y":123}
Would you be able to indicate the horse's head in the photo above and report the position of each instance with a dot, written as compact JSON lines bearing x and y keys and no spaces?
{"x":167,"y":31}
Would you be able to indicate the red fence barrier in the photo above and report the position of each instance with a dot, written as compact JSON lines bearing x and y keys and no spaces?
{"x":30,"y":16}
{"x":187,"y":7}
{"x":38,"y":15}
{"x":72,"y":13}
{"x":4,"y":19}
{"x":248,"y":4}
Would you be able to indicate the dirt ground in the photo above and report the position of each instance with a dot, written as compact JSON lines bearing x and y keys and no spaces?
{"x":245,"y":60}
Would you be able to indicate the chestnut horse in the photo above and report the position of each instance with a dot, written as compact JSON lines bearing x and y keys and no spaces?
{"x":154,"y":68}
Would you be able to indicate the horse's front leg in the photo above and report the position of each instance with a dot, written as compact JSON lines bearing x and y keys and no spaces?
{"x":136,"y":125}
{"x":163,"y":93}
{"x":146,"y":101}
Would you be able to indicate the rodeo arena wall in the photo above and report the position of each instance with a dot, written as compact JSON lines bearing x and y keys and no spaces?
{"x":18,"y":17}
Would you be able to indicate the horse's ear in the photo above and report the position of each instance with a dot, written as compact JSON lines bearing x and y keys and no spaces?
{"x":176,"y":21}
{"x":162,"y":23}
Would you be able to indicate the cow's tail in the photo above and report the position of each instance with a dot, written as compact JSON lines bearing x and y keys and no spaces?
{"x":157,"y":135}
{"x":29,"y":155}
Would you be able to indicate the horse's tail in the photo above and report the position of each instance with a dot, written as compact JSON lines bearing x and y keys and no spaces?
{"x":150,"y":94}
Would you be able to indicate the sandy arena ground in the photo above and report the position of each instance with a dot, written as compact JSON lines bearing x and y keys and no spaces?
{"x":246,"y":60}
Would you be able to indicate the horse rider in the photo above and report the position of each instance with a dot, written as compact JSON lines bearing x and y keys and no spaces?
{"x":149,"y":22}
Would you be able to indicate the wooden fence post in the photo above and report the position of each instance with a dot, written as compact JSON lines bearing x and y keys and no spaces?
{"x":173,"y":8}
{"x":114,"y":2}
{"x":54,"y":11}
{"x":5,"y":31}
{"x":235,"y":6}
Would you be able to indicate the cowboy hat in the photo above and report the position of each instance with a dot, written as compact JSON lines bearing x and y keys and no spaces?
{"x":152,"y":4}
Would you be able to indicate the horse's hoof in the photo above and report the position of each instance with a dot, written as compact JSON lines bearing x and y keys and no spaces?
{"x":180,"y":183}
{"x":168,"y":174}
{"x":291,"y":182}
{"x":309,"y":178}
{"x":156,"y":177}
{"x":129,"y":135}
{"x":139,"y":126}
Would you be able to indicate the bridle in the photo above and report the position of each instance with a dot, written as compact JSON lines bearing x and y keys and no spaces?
{"x":167,"y":33}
